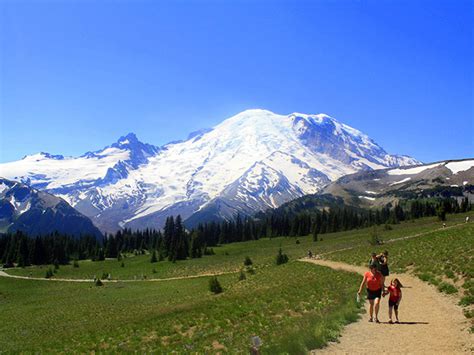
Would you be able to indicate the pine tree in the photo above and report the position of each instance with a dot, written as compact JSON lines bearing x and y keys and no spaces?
{"x":100,"y":255}
{"x":196,"y":248}
{"x":153,"y":257}
{"x":214,"y":285}
{"x":281,"y":258}
{"x":23,"y":253}
{"x":315,"y":233}
{"x":441,"y":212}
{"x":248,"y":261}
{"x":49,"y":273}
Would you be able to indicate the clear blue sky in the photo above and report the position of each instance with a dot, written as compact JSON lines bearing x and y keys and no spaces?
{"x":76,"y":75}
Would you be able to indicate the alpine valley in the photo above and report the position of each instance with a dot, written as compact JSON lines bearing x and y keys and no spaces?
{"x":248,"y":163}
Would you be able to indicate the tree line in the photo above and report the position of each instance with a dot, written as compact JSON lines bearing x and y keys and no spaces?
{"x":174,"y":242}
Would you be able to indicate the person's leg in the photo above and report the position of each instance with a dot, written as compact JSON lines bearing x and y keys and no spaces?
{"x":371,"y":310}
{"x":377,"y":306}
{"x":390,"y":313}
{"x":396,"y":313}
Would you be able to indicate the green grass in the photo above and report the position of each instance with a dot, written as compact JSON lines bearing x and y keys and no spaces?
{"x":289,"y":306}
{"x":292,"y":307}
{"x":440,"y":257}
{"x":230,"y":257}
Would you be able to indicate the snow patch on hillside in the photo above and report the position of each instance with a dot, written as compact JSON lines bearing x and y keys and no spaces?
{"x":401,"y":181}
{"x":412,"y":171}
{"x":458,"y":166}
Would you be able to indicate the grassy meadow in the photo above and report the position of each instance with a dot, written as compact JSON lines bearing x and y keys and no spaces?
{"x":289,"y":306}
{"x":229,"y":257}
{"x":292,"y":307}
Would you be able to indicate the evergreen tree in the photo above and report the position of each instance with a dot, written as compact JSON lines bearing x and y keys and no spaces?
{"x":100,"y":255}
{"x":281,"y":258}
{"x":248,"y":261}
{"x":196,"y":247}
{"x":153,"y":257}
{"x":214,"y":285}
{"x":441,"y":212}
{"x":49,"y":273}
{"x":315,"y":233}
{"x":23,"y":253}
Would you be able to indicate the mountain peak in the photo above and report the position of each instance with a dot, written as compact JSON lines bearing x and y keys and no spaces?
{"x":128,"y":139}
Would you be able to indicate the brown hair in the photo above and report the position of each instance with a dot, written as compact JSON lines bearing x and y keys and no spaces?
{"x":399,"y":284}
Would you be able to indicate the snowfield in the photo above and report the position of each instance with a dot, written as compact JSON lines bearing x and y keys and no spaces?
{"x":458,"y":166}
{"x":254,"y":160}
{"x":412,"y":171}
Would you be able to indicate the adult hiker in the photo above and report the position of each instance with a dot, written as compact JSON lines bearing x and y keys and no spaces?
{"x":383,"y":261}
{"x":374,"y":260}
{"x":373,"y":281}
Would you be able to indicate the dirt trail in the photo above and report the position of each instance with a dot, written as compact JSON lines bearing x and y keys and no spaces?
{"x":431,"y":323}
{"x":4,"y":274}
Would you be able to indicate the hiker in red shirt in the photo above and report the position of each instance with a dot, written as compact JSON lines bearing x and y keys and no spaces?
{"x":373,"y":280}
{"x":395,"y":297}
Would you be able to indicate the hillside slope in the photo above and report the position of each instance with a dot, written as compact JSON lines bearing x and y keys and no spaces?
{"x":39,"y":213}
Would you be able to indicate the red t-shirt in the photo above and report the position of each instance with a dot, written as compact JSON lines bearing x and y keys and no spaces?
{"x":394,"y":293}
{"x":374,"y":281}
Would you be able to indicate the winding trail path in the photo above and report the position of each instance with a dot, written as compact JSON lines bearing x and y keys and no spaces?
{"x":4,"y":274}
{"x":431,"y":322}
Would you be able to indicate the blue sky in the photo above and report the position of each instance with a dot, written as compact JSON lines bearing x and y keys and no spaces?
{"x":76,"y":75}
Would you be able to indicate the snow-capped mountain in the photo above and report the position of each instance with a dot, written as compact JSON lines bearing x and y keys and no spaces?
{"x":39,"y":213}
{"x":249,"y":162}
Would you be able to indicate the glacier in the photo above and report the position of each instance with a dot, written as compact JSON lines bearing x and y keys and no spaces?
{"x":249,"y":162}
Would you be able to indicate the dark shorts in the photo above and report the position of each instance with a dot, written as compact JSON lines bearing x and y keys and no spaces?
{"x":384,"y":270}
{"x":393,"y":304}
{"x":372,"y":295}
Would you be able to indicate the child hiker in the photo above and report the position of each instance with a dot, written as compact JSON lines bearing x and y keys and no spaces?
{"x":394,"y":300}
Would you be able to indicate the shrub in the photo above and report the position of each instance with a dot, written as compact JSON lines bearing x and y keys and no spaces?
{"x":375,"y":240}
{"x":242,"y":275}
{"x":153,"y":271}
{"x":387,"y":227}
{"x":49,"y":273}
{"x":208,"y":251}
{"x":75,"y":263}
{"x":214,"y":285}
{"x":447,"y":288}
{"x":105,"y":275}
{"x":99,"y":283}
{"x":122,"y":264}
{"x":467,"y":300}
{"x":281,"y":258}
{"x":297,"y":241}
{"x":248,"y":261}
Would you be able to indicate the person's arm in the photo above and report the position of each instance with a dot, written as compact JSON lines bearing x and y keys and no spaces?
{"x":361,"y":285}
{"x":399,"y":298}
